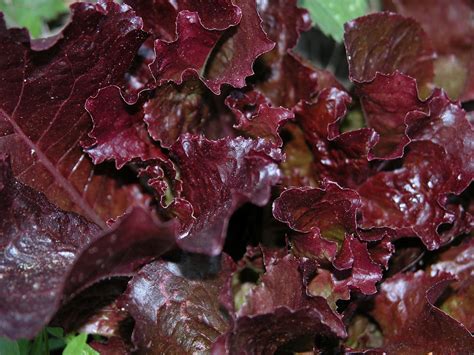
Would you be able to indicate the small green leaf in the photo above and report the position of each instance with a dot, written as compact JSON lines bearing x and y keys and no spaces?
{"x":56,"y":331}
{"x":40,"y":344}
{"x":330,"y":15}
{"x":77,"y":345}
{"x":8,"y":347}
{"x":31,"y":14}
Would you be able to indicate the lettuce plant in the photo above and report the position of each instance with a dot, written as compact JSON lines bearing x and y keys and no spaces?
{"x":176,"y":178}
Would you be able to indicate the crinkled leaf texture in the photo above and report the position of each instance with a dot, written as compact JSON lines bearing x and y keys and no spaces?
{"x":327,"y":217}
{"x":408,"y":317}
{"x":176,"y":308}
{"x":39,"y":243}
{"x":42,"y":116}
{"x":48,"y":255}
{"x":277,"y":311}
{"x":218,"y":177}
{"x":386,"y":42}
{"x":179,"y":124}
{"x":119,"y":132}
{"x":451,"y":38}
{"x":217,"y":57}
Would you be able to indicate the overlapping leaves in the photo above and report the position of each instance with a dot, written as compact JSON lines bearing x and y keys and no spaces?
{"x":141,"y":134}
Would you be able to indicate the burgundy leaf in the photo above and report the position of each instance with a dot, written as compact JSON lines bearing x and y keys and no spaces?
{"x":449,"y":27}
{"x":48,"y":255}
{"x":135,"y":239}
{"x":196,"y":50}
{"x":119,"y":132}
{"x":218,"y":177}
{"x":386,"y":42}
{"x":387,"y":100}
{"x":159,"y":16}
{"x":458,"y":261}
{"x":271,"y":309}
{"x":186,"y":108}
{"x":176,"y":311}
{"x":38,"y":244}
{"x":338,"y":157}
{"x":330,"y":209}
{"x":405,"y":311}
{"x":280,"y":68}
{"x":392,"y":107}
{"x":42,"y":118}
{"x":328,"y":216}
{"x":291,"y":72}
{"x":447,"y":125}
{"x":255,"y":116}
{"x":283,"y":22}
{"x":406,"y":199}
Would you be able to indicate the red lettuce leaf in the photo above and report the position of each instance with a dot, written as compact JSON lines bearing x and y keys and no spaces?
{"x":42,"y":119}
{"x":271,"y":309}
{"x":48,"y":255}
{"x":291,"y":72}
{"x":331,"y":209}
{"x":338,"y":157}
{"x":119,"y":132}
{"x":135,"y":239}
{"x":459,"y":262}
{"x":280,"y":68}
{"x":386,"y":42}
{"x":217,"y":178}
{"x":159,"y":16}
{"x":217,"y":57}
{"x":187,"y":108}
{"x":393,"y":109}
{"x":39,"y":242}
{"x":406,"y":199}
{"x":446,"y":124}
{"x":256,"y":117}
{"x":283,"y":22}
{"x":387,"y":101}
{"x":328,"y":215}
{"x":406,"y":313}
{"x":175,"y":308}
{"x":449,"y":27}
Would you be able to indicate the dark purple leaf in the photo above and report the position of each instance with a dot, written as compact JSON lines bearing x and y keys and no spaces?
{"x":280,"y":68}
{"x":42,"y":116}
{"x":410,"y":322}
{"x":217,"y":57}
{"x":283,"y":22}
{"x":387,"y":101}
{"x":449,"y":27}
{"x":38,"y":244}
{"x":446,"y":124}
{"x":186,"y":108}
{"x":256,"y":117}
{"x":271,"y":310}
{"x":135,"y":239}
{"x":458,"y":261}
{"x":218,"y":177}
{"x":174,"y":311}
{"x":386,"y":42}
{"x":328,"y":216}
{"x":48,"y":255}
{"x":408,"y":199}
{"x":337,"y":157}
{"x":159,"y":16}
{"x":119,"y":132}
